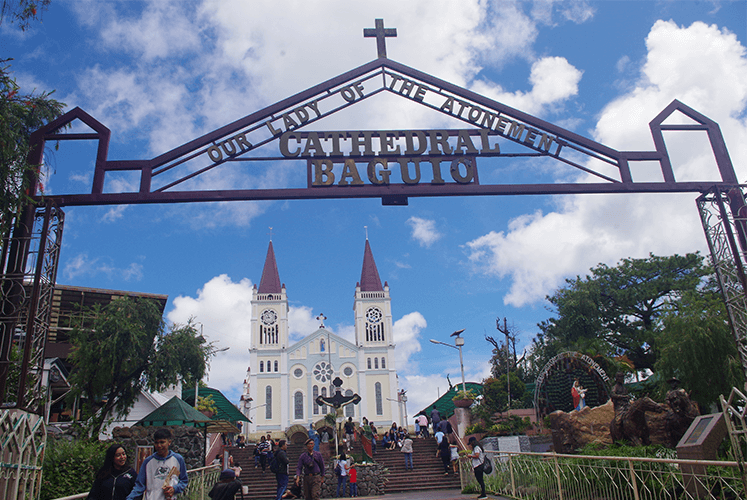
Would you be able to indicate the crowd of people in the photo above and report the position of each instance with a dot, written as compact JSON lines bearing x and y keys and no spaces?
{"x":163,"y":475}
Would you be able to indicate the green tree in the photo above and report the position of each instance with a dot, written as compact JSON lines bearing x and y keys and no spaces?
{"x":121,"y":348}
{"x":20,"y":115}
{"x":698,"y":347}
{"x":618,"y":310}
{"x":495,"y":395}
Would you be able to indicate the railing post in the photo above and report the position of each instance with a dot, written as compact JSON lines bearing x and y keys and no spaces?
{"x":511,"y":470}
{"x":202,"y":486}
{"x":557,"y":476}
{"x":633,"y":482}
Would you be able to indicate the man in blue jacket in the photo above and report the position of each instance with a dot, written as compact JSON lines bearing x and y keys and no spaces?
{"x":163,"y":474}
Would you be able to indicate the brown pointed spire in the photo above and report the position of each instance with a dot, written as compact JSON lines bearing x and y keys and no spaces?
{"x":370,"y":281}
{"x":270,"y":282}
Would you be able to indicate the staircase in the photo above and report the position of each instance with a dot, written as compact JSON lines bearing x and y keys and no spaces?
{"x":428,"y":473}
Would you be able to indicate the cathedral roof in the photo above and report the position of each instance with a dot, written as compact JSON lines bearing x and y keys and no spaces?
{"x":370,"y":281}
{"x":270,"y":282}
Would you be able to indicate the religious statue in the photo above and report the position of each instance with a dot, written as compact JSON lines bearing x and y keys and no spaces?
{"x":681,"y":412}
{"x":578,"y":393}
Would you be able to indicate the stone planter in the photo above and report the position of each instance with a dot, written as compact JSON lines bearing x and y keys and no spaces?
{"x":463,"y":403}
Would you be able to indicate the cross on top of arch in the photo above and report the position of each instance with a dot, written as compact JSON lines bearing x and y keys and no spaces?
{"x":381,"y":34}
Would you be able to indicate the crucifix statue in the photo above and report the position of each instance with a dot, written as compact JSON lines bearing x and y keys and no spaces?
{"x":338,"y":401}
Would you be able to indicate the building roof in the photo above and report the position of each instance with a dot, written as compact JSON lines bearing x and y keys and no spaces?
{"x":270,"y":282}
{"x":445,"y":404}
{"x":174,"y":412}
{"x":226,"y":409}
{"x":370,"y":281}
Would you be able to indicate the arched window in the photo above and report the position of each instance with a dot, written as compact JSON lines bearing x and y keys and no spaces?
{"x":383,"y":364}
{"x":315,"y":392}
{"x":298,"y":406}
{"x":376,"y":363}
{"x":276,"y":364}
{"x":349,"y":409}
{"x":268,"y":402}
{"x":324,"y":394}
{"x":261,"y":366}
{"x":369,"y":363}
{"x":379,"y":402}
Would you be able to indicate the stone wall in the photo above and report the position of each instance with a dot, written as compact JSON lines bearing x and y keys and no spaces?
{"x":372,"y":479}
{"x":189,"y":442}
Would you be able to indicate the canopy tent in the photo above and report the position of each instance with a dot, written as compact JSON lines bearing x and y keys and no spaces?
{"x":177,"y":412}
{"x":445,"y":404}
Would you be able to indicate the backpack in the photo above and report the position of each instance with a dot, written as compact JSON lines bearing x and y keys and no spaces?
{"x":274,"y":465}
{"x":487,"y":467}
{"x":338,"y":470}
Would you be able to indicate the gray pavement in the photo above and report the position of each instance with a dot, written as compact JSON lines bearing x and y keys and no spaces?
{"x":431,"y":495}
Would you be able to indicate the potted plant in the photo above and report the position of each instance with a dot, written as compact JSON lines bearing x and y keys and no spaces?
{"x":206,"y":406}
{"x":464,"y":399}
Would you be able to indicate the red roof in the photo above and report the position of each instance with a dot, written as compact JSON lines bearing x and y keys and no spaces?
{"x":270,"y":282}
{"x":370,"y":281}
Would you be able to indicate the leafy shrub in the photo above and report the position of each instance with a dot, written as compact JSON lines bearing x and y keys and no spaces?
{"x":477,"y":428}
{"x":70,"y":467}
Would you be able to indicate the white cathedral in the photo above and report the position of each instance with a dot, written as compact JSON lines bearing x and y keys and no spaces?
{"x":283,"y":379}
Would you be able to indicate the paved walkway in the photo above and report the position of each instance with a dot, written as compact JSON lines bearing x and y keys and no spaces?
{"x":431,"y":495}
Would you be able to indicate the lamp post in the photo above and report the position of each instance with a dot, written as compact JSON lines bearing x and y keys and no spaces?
{"x":459,"y":342}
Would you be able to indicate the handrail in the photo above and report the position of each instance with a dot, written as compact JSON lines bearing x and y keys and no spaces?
{"x":725,"y":463}
{"x":200,"y":471}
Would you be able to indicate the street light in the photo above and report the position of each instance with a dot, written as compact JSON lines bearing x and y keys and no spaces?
{"x":459,"y":341}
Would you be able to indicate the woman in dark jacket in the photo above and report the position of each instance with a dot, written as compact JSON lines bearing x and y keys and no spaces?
{"x":116,"y":478}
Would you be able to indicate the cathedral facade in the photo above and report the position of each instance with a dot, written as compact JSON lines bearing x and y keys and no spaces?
{"x":283,"y":379}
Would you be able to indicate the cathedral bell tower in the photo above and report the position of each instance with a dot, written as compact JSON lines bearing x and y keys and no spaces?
{"x":269,"y":308}
{"x":373,"y":311}
{"x":268,"y":357}
{"x":375,"y":341}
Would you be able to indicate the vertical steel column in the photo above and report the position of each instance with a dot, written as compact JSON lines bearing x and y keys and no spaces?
{"x":723,"y":230}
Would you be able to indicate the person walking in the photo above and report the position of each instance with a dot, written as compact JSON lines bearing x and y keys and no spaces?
{"x":341,"y":470}
{"x":311,"y":468}
{"x":435,"y":419}
{"x":349,"y":433}
{"x":263,"y":449}
{"x":407,"y":450}
{"x":281,"y":476}
{"x":163,"y":474}
{"x":478,"y":462}
{"x":443,"y":451}
{"x":116,"y":478}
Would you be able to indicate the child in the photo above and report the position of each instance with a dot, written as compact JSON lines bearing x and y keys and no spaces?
{"x":353,"y":473}
{"x":163,"y":474}
{"x":454,"y":457}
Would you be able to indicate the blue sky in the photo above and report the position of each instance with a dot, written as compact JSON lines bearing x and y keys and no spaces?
{"x":161,"y":73}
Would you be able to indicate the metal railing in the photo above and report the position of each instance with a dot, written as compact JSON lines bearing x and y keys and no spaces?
{"x":539,"y":476}
{"x":200,"y":482}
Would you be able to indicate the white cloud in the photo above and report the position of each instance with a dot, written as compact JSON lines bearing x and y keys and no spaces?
{"x":222,"y":307}
{"x":553,"y":81}
{"x":706,"y":69}
{"x":81,"y":265}
{"x":407,"y":339}
{"x":424,"y":231}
